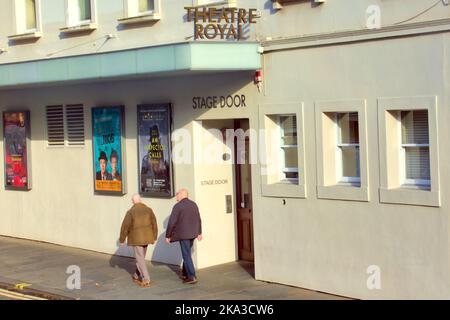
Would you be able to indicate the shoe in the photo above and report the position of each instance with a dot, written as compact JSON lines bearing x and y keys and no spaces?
{"x":145,"y":283}
{"x":137,"y":281}
{"x":190,"y":281}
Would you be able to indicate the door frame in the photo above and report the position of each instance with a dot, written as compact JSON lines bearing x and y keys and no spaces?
{"x":238,"y":187}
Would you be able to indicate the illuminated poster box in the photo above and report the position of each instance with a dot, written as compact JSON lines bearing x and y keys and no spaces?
{"x":155,"y":150}
{"x":17,"y":157}
{"x":107,"y":144}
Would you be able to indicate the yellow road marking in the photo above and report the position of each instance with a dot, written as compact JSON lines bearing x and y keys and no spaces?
{"x":22,"y":286}
{"x":19,"y":296}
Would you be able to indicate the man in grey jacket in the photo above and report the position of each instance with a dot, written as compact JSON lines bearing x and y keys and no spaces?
{"x":185,"y":225}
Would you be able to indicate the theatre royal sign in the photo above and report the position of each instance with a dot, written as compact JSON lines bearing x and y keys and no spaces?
{"x":220,"y":23}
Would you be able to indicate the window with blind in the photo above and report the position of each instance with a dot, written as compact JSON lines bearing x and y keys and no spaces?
{"x":65,"y":125}
{"x":415,"y":147}
{"x":348,"y":158}
{"x":289,"y":148}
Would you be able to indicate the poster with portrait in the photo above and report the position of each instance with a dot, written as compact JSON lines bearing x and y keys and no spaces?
{"x":155,"y":150}
{"x":107,"y":144}
{"x":16,"y":142}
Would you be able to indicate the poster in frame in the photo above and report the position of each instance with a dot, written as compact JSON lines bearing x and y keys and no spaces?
{"x":16,"y":145}
{"x":108,"y":128}
{"x":155,"y":150}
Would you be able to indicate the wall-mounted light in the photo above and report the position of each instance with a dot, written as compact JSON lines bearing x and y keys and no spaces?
{"x":3,"y":50}
{"x":258,"y":76}
{"x":259,"y":79}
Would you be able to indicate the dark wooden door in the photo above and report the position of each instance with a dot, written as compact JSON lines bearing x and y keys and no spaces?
{"x":244,"y":197}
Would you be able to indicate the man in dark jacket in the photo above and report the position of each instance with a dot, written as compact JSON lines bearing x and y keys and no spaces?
{"x":185,"y":225}
{"x":141,"y":229}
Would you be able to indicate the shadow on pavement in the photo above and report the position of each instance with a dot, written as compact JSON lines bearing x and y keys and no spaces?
{"x":122,"y":260}
{"x":248,"y":266}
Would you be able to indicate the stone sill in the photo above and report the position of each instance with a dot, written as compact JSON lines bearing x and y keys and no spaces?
{"x":79,"y":28}
{"x":26,"y":36}
{"x":141,"y":19}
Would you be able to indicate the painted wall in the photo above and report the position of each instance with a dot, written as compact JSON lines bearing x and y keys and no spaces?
{"x":325,"y":245}
{"x":328,"y":245}
{"x":296,"y":19}
{"x":62,"y":207}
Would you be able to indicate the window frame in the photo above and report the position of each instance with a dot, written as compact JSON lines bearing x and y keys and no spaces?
{"x":135,"y":16}
{"x":88,"y":23}
{"x":340,"y":178}
{"x":392,"y":158}
{"x":283,"y":147}
{"x":405,"y":182}
{"x":147,"y":12}
{"x":65,"y":127}
{"x":271,"y":184}
{"x":21,"y":31}
{"x":329,"y":168}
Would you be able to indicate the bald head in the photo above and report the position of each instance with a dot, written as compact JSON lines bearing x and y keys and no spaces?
{"x":136,"y":199}
{"x":182,"y":194}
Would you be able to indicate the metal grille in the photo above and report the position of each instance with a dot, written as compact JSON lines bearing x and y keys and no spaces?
{"x":55,"y":126}
{"x":75,"y":125}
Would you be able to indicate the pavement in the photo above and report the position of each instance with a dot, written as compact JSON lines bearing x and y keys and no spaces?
{"x":106,"y":277}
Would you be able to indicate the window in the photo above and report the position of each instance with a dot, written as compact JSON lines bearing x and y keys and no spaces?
{"x":146,"y":6}
{"x":348,"y":166}
{"x":289,"y":148}
{"x":342,"y":153}
{"x":415,"y":148}
{"x":30,"y":15}
{"x":65,"y":125}
{"x":80,"y":12}
{"x":138,"y":11}
{"x":408,"y":140}
{"x":282,"y":157}
{"x":27,"y":18}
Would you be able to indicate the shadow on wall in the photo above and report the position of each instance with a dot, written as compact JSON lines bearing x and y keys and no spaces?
{"x":166,"y":253}
{"x":161,"y":252}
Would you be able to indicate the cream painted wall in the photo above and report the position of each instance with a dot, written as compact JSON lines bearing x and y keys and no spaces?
{"x":62,"y":208}
{"x":324,"y":245}
{"x":297,"y":19}
{"x":327,"y":245}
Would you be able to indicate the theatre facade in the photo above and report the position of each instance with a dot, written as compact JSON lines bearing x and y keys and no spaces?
{"x":314,"y":142}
